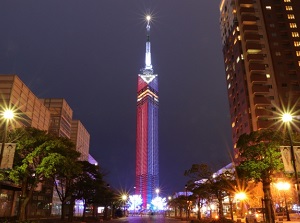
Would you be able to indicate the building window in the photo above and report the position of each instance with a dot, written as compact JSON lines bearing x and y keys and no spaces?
{"x":296,"y":43}
{"x":298,"y":53}
{"x":274,"y":34}
{"x":288,"y":8}
{"x":291,"y":16}
{"x":287,"y":0}
{"x":293,"y":25}
{"x":272,"y":25}
{"x":275,"y":43}
{"x":295,"y":34}
{"x":268,"y":75}
{"x":268,"y":7}
{"x":299,"y":63}
{"x":277,"y":53}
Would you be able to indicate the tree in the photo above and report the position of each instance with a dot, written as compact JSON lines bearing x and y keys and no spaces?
{"x":260,"y":159}
{"x":36,"y":158}
{"x":64,"y":180}
{"x":206,"y":186}
{"x":88,"y":184}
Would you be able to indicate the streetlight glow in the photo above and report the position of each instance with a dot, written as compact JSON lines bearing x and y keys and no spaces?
{"x":241,"y":196}
{"x":283,"y":186}
{"x":148,"y":17}
{"x":124,"y":197}
{"x":286,"y":117}
{"x":8,"y":114}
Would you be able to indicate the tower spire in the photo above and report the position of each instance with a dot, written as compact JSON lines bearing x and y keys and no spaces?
{"x":148,"y":65}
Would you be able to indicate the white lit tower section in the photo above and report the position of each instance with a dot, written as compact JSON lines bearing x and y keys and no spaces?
{"x":147,"y":129}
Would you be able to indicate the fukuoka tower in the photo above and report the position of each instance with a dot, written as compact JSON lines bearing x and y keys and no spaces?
{"x":147,"y":129}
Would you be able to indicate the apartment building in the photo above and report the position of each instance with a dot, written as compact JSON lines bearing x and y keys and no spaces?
{"x":261,"y":48}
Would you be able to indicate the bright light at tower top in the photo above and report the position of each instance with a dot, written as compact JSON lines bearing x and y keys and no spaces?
{"x":148,"y":17}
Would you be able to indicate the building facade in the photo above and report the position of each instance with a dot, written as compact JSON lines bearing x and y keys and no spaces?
{"x":261,"y":48}
{"x":29,"y":110}
{"x":81,"y":138}
{"x":147,"y":174}
{"x":52,"y":115}
{"x":61,"y":116}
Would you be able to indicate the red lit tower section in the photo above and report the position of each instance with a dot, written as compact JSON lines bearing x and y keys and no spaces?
{"x":147,"y":138}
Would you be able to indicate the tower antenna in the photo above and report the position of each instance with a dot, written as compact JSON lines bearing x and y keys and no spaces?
{"x":148,"y":65}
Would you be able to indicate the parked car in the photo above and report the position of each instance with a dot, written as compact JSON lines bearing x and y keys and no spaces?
{"x":255,"y":215}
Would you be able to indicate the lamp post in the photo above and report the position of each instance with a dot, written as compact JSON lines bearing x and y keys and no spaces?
{"x":287,"y":119}
{"x":157,"y":192}
{"x":284,"y":186}
{"x":241,"y":196}
{"x":186,"y":198}
{"x":7,"y":115}
{"x":124,"y":198}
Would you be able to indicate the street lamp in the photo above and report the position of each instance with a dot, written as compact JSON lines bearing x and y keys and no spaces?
{"x":157,"y":192}
{"x":284,"y":186}
{"x":241,"y":196}
{"x":124,"y":198}
{"x":186,"y":211}
{"x":7,"y":115}
{"x":287,"y":119}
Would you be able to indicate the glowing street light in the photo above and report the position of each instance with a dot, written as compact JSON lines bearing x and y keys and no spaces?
{"x":241,"y":196}
{"x":157,"y":192}
{"x":287,"y":119}
{"x":124,"y":198}
{"x":284,"y":186}
{"x":7,"y":115}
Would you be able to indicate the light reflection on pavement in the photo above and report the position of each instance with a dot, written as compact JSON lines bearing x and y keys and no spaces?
{"x":147,"y":219}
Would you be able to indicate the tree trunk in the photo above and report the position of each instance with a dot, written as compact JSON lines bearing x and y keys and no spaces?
{"x":71,"y":210}
{"x":221,"y":215}
{"x":230,"y":203}
{"x":199,"y":211}
{"x":63,"y":210}
{"x":23,"y":207}
{"x":270,"y":216}
{"x":84,"y":210}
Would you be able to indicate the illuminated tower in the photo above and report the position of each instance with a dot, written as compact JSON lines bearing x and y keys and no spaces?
{"x":147,"y":129}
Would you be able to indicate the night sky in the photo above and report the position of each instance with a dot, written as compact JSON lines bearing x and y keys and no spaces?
{"x":90,"y":53}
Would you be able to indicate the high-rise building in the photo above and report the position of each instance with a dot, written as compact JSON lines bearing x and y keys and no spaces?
{"x":147,"y":177}
{"x":81,"y":138}
{"x":60,"y":116}
{"x":261,"y":47}
{"x":30,"y":112}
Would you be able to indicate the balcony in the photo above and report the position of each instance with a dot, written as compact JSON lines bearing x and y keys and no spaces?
{"x":261,"y":100}
{"x":264,"y":124}
{"x":251,"y":36}
{"x":248,"y":19}
{"x":247,"y":10}
{"x":258,"y":78}
{"x":251,"y":57}
{"x":263,"y":113}
{"x":257,"y":67}
{"x":250,"y":28}
{"x":253,"y":47}
{"x":261,"y":89}
{"x":245,"y":3}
